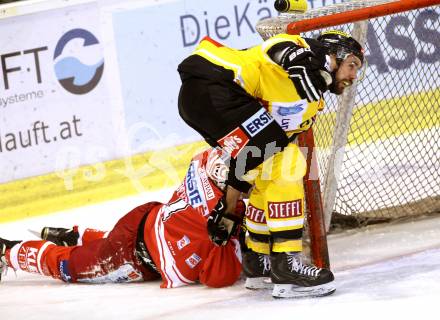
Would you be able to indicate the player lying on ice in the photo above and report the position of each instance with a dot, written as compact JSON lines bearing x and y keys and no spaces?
{"x":180,"y":242}
{"x":168,"y":241}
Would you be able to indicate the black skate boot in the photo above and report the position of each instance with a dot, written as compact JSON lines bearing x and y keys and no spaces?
{"x":5,"y":244}
{"x":60,"y":236}
{"x":256,"y":267}
{"x":293,"y":279}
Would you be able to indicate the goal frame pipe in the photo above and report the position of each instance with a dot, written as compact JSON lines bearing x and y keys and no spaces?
{"x":312,"y":192}
{"x":358,"y":15}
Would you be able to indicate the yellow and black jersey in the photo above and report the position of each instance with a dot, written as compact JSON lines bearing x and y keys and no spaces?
{"x":254,"y":71}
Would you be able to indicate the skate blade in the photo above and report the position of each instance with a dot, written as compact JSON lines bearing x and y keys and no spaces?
{"x":258,"y":283}
{"x":292,"y":291}
{"x":35,"y":233}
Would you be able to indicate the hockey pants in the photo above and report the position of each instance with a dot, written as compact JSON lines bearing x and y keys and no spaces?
{"x":275,"y":214}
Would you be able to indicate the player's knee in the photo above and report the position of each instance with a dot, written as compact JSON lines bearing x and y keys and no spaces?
{"x":259,"y":243}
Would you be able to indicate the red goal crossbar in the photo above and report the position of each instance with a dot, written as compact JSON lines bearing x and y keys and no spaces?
{"x":358,"y":15}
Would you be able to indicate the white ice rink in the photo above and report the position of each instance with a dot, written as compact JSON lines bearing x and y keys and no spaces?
{"x":390,"y":272}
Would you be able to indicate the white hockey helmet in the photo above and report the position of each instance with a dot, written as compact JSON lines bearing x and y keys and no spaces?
{"x":216,"y":168}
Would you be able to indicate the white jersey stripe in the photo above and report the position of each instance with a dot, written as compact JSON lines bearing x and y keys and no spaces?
{"x":256,"y":226}
{"x":159,"y":246}
{"x":237,"y":249}
{"x":163,"y":253}
{"x":178,"y":278}
{"x":40,"y":253}
{"x":173,"y":275}
{"x":285,"y":223}
{"x":13,"y":255}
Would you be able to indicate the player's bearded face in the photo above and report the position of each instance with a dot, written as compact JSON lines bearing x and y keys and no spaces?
{"x":347,"y":72}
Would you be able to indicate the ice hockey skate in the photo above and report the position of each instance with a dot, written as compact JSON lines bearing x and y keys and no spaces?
{"x":293,"y":279}
{"x":60,"y":236}
{"x":256,"y":267}
{"x":5,"y":244}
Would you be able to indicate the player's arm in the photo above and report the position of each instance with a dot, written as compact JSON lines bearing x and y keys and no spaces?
{"x":222,"y":267}
{"x":307,"y":67}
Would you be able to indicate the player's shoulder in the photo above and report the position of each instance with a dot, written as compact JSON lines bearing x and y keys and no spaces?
{"x":283,"y":37}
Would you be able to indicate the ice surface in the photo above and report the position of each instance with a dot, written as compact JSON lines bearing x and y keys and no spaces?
{"x":381,"y":272}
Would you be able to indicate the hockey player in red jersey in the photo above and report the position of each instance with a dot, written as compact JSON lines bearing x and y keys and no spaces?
{"x":168,"y":241}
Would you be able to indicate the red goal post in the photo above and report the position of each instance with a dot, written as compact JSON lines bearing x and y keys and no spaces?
{"x":357,"y":14}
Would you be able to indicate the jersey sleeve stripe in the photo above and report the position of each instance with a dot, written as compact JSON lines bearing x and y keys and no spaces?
{"x":168,"y":265}
{"x":40,"y":254}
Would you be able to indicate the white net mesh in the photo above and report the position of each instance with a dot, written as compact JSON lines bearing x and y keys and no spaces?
{"x":270,"y":27}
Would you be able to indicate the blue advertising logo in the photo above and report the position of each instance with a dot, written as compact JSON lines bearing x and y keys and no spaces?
{"x":73,"y":74}
{"x":286,"y":111}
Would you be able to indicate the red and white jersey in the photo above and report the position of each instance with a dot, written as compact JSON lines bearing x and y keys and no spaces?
{"x":177,"y":237}
{"x":199,"y":189}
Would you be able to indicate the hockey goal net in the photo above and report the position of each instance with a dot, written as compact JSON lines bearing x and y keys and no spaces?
{"x":378,"y":145}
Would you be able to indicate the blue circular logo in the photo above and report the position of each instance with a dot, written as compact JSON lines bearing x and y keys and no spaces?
{"x":78,"y":61}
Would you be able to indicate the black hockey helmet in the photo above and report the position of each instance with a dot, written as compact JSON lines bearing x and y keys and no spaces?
{"x":341,"y":44}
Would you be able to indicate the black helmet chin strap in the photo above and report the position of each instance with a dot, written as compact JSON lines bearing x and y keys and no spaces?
{"x":332,"y":87}
{"x":339,"y":60}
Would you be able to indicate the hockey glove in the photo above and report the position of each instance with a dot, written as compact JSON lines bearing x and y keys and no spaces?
{"x":221,"y":225}
{"x":306,"y":68}
{"x":310,"y":77}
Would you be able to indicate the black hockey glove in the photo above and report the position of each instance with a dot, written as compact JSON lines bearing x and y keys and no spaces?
{"x":306,"y":68}
{"x":221,"y":225}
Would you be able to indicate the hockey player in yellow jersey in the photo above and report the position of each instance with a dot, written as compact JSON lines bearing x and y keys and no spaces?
{"x":253,"y":103}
